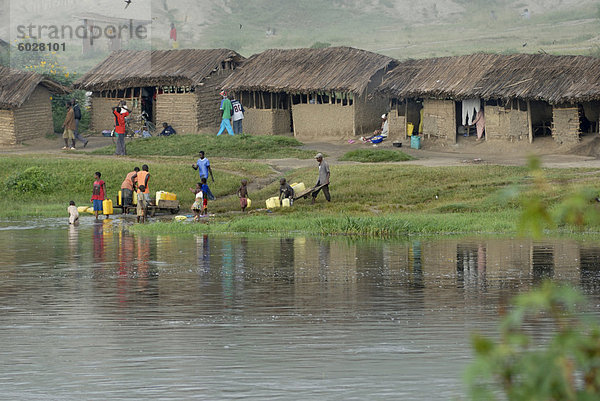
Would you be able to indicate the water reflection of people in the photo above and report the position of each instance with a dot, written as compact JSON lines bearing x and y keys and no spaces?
{"x":98,"y":239}
{"x":73,"y":241}
{"x":203,"y":249}
{"x":143,"y":259}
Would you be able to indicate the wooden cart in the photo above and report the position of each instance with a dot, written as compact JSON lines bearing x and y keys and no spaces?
{"x":171,"y":206}
{"x":308,"y":191}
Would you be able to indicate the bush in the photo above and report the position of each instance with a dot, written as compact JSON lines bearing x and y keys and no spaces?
{"x":522,"y":366}
{"x":31,"y":180}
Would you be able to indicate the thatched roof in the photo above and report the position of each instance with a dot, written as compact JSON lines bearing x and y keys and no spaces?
{"x":17,"y":85}
{"x":137,"y":68}
{"x":555,"y":79}
{"x":343,"y":69}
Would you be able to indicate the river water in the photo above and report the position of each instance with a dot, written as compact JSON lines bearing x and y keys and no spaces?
{"x":93,"y":312}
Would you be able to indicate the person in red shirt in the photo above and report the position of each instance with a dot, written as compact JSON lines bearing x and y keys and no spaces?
{"x":120,"y":113}
{"x":98,"y":193}
{"x":173,"y":36}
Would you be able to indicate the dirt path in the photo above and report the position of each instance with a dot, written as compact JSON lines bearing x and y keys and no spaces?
{"x":433,"y":154}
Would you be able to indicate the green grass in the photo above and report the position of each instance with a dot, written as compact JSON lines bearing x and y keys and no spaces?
{"x":367,"y":199}
{"x":240,"y":146}
{"x":395,"y":225}
{"x":376,"y":156}
{"x":71,"y":179}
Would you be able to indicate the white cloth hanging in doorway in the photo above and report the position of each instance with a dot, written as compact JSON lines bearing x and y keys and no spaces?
{"x":470,"y":107}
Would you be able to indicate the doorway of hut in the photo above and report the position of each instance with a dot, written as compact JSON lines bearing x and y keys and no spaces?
{"x":589,"y":117}
{"x":414,"y":117}
{"x":466,"y":118}
{"x":148,"y":103}
{"x":541,"y":119}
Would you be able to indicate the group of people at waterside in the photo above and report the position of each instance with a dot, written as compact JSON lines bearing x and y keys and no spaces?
{"x":135,"y":181}
{"x":138,"y":181}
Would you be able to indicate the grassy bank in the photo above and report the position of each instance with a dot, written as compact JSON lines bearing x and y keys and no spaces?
{"x":391,"y":225}
{"x":376,"y":156}
{"x":367,"y":199}
{"x":43,"y":186}
{"x":239,"y":147}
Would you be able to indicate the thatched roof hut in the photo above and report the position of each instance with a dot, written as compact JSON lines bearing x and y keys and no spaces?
{"x":176,"y":86}
{"x":342,"y":69}
{"x":311,"y":92}
{"x":554,"y":79}
{"x":16,"y":86}
{"x":25,"y":105}
{"x":133,"y":68}
{"x":524,"y":94}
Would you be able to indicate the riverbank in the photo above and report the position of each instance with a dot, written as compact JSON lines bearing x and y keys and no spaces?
{"x":376,"y":199}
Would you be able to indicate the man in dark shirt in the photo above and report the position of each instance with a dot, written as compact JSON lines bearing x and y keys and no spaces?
{"x":77,"y":115}
{"x":167,"y":130}
{"x":323,"y":181}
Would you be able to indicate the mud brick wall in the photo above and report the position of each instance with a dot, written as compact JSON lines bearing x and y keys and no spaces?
{"x":439,"y":119}
{"x":101,"y":111}
{"x":209,"y":100}
{"x":565,"y":124}
{"x":7,"y":127}
{"x":397,"y":125}
{"x":180,"y":110}
{"x":34,"y":118}
{"x":506,"y":124}
{"x":368,"y":107}
{"x":367,"y":114}
{"x":324,"y":121}
{"x":267,"y":122}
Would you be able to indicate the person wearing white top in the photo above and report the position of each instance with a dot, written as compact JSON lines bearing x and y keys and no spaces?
{"x":238,"y":116}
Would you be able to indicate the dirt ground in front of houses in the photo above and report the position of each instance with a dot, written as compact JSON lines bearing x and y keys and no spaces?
{"x":434,"y":153}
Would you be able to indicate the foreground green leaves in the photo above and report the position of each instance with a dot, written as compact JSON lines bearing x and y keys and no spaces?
{"x":525,"y":365}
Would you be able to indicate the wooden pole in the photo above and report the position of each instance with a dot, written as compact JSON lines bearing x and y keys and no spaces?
{"x":405,"y":118}
{"x":529,"y":122}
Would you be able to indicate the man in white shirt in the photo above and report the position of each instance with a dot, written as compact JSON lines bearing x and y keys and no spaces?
{"x":238,"y":116}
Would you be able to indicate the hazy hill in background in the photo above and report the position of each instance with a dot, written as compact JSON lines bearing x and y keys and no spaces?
{"x":397,"y":28}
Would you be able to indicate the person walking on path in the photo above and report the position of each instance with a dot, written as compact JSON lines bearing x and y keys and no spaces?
{"x":128,"y":186}
{"x":238,"y":116}
{"x":323,"y":181}
{"x":98,"y":193}
{"x":203,"y":167}
{"x":120,"y":113}
{"x":69,"y":128}
{"x":77,"y":116}
{"x":226,"y":117}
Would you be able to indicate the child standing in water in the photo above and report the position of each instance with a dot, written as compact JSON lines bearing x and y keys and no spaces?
{"x":98,"y":193}
{"x":198,"y":203}
{"x":73,"y":213}
{"x":243,"y":194}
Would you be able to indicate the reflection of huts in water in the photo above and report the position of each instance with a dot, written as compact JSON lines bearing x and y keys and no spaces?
{"x":523,"y":95}
{"x":312,"y":93}
{"x":25,"y":105}
{"x":175,"y":86}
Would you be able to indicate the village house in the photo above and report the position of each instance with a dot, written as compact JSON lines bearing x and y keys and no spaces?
{"x":180,"y":87}
{"x":523,"y":96}
{"x":311,"y":93}
{"x":25,"y":105}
